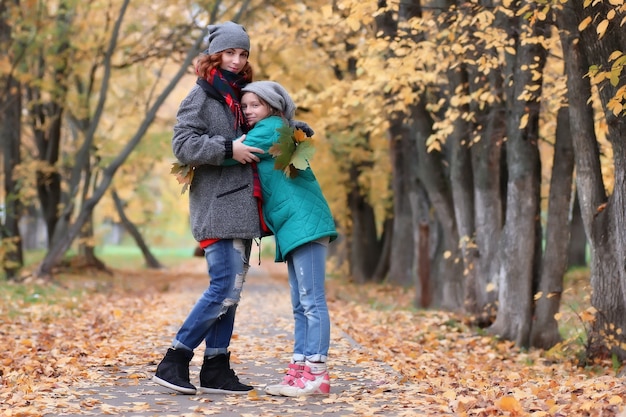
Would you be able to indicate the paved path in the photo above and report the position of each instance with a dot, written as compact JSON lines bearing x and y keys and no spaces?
{"x":360,"y":385}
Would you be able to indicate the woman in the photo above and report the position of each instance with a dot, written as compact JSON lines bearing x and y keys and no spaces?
{"x":223,"y":209}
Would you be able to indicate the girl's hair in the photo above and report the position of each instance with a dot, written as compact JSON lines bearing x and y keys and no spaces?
{"x":206,"y":63}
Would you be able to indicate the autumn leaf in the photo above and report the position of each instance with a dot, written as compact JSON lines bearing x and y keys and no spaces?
{"x":583,"y":25}
{"x":283,"y":148}
{"x":183,"y":174}
{"x":602,"y":27}
{"x":299,"y":136}
{"x":445,"y":368}
{"x":301,"y":156}
{"x":589,"y":315}
{"x":509,"y":403}
{"x":292,"y":151}
{"x":523,"y":121}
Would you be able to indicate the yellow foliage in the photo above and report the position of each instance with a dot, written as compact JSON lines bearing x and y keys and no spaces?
{"x":347,"y":80}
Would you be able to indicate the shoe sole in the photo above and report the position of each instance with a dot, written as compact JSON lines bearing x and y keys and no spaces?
{"x":309,"y":394}
{"x":274,"y":391}
{"x":222,"y":391}
{"x":182,"y":390}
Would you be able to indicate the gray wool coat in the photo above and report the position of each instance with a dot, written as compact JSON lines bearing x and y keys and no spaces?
{"x":221,"y":200}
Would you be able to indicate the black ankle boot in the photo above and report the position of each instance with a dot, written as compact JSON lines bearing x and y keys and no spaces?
{"x":216,"y":377}
{"x":173,"y":371}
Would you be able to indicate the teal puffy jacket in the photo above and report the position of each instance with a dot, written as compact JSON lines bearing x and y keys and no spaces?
{"x":294,"y":209}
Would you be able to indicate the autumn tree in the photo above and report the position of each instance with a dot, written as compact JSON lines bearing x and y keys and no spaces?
{"x":11,"y":257}
{"x":467,"y":81}
{"x":353,"y":176}
{"x":90,"y":197}
{"x":72,"y":97}
{"x":597,"y":50}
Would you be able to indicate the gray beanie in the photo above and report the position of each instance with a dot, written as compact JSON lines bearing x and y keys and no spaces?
{"x":227,"y":35}
{"x":273,"y":94}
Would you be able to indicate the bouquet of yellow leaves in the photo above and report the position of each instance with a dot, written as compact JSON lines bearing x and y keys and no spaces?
{"x":292,"y":151}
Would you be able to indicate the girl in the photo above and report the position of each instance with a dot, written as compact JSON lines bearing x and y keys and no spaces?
{"x":296,"y":211}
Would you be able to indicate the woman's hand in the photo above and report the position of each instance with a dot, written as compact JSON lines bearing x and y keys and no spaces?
{"x":243,"y":153}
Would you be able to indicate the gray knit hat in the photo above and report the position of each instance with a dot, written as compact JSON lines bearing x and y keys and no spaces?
{"x":273,"y":94}
{"x":227,"y":35}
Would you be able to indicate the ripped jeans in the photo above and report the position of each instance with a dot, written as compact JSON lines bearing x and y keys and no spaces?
{"x":213,"y":316}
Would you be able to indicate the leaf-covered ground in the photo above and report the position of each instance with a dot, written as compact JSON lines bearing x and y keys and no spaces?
{"x":53,"y":339}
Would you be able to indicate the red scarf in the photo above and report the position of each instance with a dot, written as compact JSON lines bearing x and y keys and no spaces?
{"x":229,"y":85}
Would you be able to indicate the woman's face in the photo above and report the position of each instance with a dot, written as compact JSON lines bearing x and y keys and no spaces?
{"x":234,"y":60}
{"x":253,"y":108}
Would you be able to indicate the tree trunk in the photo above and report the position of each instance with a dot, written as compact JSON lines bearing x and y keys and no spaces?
{"x":447,"y":273}
{"x":424,"y":244}
{"x":382,"y":269}
{"x":604,"y":218}
{"x":151,"y":260}
{"x":489,"y":212}
{"x":545,"y":330}
{"x":519,"y":255}
{"x":11,"y":257}
{"x":47,"y":107}
{"x":423,"y":266}
{"x":577,"y":254}
{"x":403,"y":156}
{"x":33,"y":229}
{"x":462,"y":185}
{"x":488,"y":173}
{"x":86,"y":248}
{"x":365,"y":248}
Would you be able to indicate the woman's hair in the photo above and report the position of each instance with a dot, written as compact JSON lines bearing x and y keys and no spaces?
{"x":206,"y":63}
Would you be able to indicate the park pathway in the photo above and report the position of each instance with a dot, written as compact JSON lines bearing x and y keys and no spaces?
{"x":360,"y":385}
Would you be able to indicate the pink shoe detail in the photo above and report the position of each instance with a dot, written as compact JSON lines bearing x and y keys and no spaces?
{"x":293,"y":373}
{"x":308,"y":384}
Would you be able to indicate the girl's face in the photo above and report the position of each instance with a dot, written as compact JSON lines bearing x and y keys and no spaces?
{"x":234,"y":60}
{"x":254,"y":108}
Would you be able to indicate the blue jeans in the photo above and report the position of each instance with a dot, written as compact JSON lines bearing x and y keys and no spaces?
{"x":213,"y":317}
{"x":307,"y":271}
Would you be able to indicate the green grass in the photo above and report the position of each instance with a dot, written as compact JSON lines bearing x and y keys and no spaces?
{"x":131,"y":257}
{"x":120,"y":256}
{"x":128,"y":255}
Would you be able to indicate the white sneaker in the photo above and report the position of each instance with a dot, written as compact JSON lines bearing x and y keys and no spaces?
{"x":293,"y":372}
{"x":314,"y":380}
